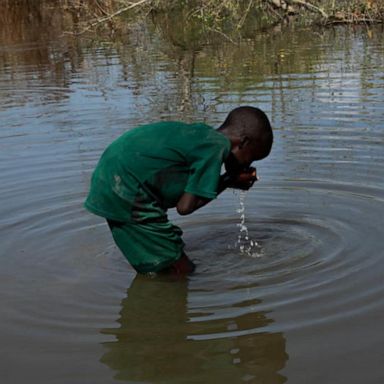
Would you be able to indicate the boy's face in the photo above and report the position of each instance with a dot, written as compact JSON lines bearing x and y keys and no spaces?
{"x":238,"y":161}
{"x":246,"y":152}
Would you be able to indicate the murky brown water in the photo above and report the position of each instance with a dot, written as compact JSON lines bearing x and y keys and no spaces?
{"x":306,"y":307}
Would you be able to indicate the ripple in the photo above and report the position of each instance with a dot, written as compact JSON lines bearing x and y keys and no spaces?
{"x":313,"y":252}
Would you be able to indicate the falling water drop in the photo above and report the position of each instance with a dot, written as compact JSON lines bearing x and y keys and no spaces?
{"x":246,"y":245}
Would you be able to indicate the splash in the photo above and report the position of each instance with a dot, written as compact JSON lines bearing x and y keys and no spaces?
{"x":246,"y":245}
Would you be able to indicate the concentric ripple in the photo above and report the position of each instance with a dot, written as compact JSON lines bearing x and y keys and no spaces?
{"x":314,"y":251}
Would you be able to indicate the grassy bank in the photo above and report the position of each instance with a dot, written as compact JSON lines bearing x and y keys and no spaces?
{"x":229,"y":17}
{"x":303,"y":11}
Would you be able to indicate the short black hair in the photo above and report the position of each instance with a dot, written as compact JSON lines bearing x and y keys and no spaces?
{"x":251,"y":122}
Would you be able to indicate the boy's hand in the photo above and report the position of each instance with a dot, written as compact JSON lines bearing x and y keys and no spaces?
{"x":244,"y":180}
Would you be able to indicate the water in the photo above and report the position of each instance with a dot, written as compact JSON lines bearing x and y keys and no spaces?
{"x":244,"y":243}
{"x":308,"y":309}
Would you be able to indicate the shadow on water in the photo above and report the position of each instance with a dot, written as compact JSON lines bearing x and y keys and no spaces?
{"x":157,"y":340}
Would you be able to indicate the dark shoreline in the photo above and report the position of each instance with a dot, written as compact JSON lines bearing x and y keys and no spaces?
{"x":229,"y":18}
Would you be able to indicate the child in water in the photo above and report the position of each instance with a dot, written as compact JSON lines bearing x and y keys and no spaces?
{"x":171,"y":164}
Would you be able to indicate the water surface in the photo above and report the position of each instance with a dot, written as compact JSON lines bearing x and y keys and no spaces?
{"x":305,"y":306}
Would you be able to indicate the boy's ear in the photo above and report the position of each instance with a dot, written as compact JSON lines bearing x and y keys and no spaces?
{"x":236,"y":141}
{"x":244,"y":142}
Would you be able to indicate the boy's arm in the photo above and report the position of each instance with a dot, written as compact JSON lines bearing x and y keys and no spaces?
{"x":189,"y":203}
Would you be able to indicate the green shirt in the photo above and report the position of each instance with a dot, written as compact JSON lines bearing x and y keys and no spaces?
{"x":164,"y":160}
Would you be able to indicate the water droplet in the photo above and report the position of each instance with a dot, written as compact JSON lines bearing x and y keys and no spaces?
{"x":244,"y":243}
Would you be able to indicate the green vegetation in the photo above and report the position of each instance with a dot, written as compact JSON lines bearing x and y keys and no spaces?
{"x":215,"y":12}
{"x":232,"y":15}
{"x":231,"y":18}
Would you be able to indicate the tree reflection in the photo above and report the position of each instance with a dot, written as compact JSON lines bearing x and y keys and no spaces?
{"x":156,"y":341}
{"x":180,"y":69}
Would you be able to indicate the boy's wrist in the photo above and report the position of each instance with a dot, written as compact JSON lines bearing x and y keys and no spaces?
{"x":242,"y":181}
{"x":226,"y":181}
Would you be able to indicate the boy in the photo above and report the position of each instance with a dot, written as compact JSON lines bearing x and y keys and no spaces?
{"x":170,"y":164}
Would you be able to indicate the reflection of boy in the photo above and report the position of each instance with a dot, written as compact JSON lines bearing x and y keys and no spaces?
{"x":155,"y":341}
{"x":171,"y":164}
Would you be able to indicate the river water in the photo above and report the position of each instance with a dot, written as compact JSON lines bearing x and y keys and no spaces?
{"x":305,"y":305}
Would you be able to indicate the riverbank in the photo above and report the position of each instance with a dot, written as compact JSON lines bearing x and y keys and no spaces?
{"x":228,"y":17}
{"x":271,"y":11}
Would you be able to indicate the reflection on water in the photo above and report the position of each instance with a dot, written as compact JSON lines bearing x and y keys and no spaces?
{"x":315,"y":292}
{"x":157,"y":340}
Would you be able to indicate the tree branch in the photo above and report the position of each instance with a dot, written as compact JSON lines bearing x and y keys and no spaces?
{"x":109,"y":17}
{"x":245,"y":15}
{"x":281,"y":4}
{"x":287,"y":5}
{"x":309,"y":6}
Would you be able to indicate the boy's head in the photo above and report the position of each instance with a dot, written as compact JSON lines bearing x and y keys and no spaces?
{"x":250,"y":133}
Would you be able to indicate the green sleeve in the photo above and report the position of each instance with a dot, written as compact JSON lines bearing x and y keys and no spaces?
{"x":206,"y":161}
